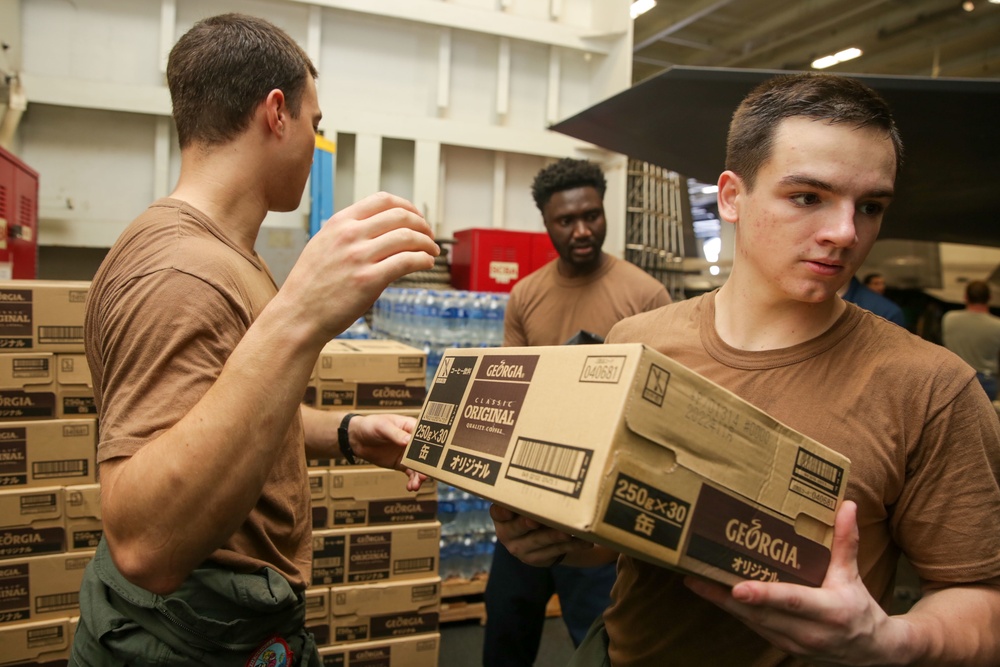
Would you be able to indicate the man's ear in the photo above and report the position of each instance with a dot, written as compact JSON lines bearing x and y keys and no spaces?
{"x":276,"y":111}
{"x":731,"y":188}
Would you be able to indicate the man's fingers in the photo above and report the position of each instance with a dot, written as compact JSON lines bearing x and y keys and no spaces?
{"x":378,"y":222}
{"x":375,"y":203}
{"x":844,"y":551}
{"x":501,"y":513}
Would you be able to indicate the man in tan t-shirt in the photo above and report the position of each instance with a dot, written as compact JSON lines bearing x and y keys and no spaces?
{"x":810,"y":170}
{"x":582,"y":293}
{"x":973,"y":333}
{"x":200,"y":364}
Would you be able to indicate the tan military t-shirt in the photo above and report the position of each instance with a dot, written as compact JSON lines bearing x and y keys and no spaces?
{"x":170,"y":303}
{"x":546,"y":308}
{"x":924,"y":445}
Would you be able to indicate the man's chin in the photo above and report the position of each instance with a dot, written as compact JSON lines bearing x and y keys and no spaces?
{"x":584,"y":263}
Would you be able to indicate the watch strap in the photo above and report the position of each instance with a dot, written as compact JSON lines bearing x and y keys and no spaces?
{"x":343,"y":440}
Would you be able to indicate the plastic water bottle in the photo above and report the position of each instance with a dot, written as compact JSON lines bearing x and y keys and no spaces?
{"x":467,"y":553}
{"x":476,"y":330}
{"x":446,"y":515}
{"x":431,"y":309}
{"x":380,"y":314}
{"x":485,"y":546}
{"x":434,"y":353}
{"x":409,"y":331}
{"x":357,"y":331}
{"x":418,"y":315}
{"x":451,"y":315}
{"x":451,"y":564}
{"x":494,"y":313}
{"x":463,"y":513}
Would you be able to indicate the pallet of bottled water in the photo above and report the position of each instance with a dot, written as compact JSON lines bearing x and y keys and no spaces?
{"x":468,"y":538}
{"x":434,"y":320}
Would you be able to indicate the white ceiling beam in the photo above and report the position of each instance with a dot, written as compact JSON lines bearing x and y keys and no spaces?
{"x":69,"y":92}
{"x":471,"y":19}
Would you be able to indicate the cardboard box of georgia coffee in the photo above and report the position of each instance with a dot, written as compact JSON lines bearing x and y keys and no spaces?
{"x":36,"y":643}
{"x":370,"y":375}
{"x":55,"y":452}
{"x":42,"y":315}
{"x":381,"y":610}
{"x":32,"y":522}
{"x":625,"y":447}
{"x":415,"y":651}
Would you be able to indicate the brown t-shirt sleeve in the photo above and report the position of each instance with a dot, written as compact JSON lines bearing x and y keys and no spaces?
{"x":172,"y":335}
{"x":660,"y":298}
{"x":513,"y":325}
{"x":959,"y":449}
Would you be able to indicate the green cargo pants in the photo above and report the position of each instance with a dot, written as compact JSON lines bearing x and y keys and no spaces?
{"x":217,"y":618}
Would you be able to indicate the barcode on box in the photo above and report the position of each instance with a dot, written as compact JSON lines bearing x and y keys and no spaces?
{"x":64,"y":468}
{"x":60,"y":334}
{"x":549,"y":465}
{"x":439,"y":413}
{"x":409,"y":565}
{"x":817,"y":472}
{"x":57,"y":602}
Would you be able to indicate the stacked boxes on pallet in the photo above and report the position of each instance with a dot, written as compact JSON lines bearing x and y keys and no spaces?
{"x":375,"y":593}
{"x":376,"y":590}
{"x":49,"y":514}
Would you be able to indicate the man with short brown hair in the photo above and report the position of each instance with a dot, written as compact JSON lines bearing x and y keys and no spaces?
{"x":810,"y":171}
{"x":200,"y":363}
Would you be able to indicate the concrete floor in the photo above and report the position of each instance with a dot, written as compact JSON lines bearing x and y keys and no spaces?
{"x":462,"y":645}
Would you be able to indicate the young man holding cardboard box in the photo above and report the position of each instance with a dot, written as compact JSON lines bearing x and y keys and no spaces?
{"x":811,"y":167}
{"x":200,"y":364}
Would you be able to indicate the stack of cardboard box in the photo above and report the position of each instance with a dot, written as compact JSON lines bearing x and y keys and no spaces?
{"x":376,"y":593}
{"x":49,"y":503}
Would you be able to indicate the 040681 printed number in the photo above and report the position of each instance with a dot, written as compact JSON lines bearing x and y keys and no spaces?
{"x":639,"y":496}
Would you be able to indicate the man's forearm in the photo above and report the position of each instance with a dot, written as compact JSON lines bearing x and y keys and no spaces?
{"x":956,"y":625}
{"x":320,"y":427}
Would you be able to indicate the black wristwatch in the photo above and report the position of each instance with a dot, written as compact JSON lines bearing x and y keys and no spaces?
{"x":342,"y":439}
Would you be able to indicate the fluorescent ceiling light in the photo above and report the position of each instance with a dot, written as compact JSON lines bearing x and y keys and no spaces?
{"x":641,"y":7}
{"x":842,"y":56}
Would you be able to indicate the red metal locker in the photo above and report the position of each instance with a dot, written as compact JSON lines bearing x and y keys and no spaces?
{"x":18,"y":218}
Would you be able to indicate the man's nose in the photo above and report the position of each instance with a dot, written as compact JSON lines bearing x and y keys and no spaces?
{"x":840,"y":229}
{"x":580,"y":228}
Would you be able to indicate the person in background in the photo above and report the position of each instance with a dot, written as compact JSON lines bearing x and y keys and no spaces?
{"x":973,"y":333}
{"x":855,"y":292}
{"x":200,"y":363}
{"x":875,"y":282}
{"x":579,"y":295}
{"x":811,"y":166}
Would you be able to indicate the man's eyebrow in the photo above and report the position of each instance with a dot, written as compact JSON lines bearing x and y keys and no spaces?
{"x":800,"y":179}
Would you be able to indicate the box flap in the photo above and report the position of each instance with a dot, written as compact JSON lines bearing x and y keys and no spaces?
{"x":719,"y":436}
{"x":83,"y":501}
